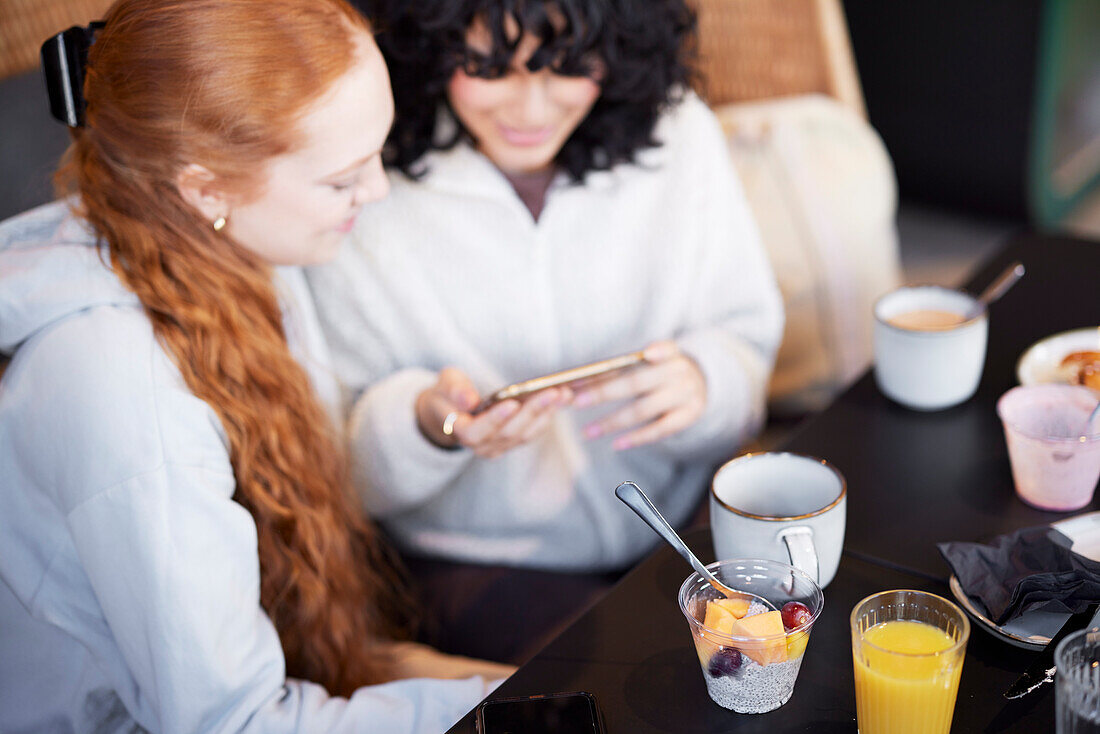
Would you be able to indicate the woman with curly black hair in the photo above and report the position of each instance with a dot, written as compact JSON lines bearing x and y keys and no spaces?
{"x":563,"y":198}
{"x":635,"y":51}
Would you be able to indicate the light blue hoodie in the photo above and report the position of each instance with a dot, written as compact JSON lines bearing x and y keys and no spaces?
{"x":130,"y":577}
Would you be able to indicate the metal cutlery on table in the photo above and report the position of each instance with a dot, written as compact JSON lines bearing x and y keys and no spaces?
{"x":1042,"y":670}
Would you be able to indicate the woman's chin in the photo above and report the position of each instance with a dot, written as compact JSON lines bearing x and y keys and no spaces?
{"x":523,"y":161}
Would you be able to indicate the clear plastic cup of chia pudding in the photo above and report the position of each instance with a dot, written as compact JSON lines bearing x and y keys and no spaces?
{"x":750,"y":653}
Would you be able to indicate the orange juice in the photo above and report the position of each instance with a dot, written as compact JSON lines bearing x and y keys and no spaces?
{"x":907,"y":676}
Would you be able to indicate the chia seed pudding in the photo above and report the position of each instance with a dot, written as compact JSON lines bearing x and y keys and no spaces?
{"x":737,"y":682}
{"x":755,"y":688}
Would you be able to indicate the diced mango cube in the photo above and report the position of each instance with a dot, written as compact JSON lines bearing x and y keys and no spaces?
{"x":766,"y":625}
{"x":705,"y":650}
{"x":737,"y":607}
{"x":718,"y":617}
{"x":796,"y":644}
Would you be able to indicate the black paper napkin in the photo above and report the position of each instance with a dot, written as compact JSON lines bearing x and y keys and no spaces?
{"x":1032,"y":569}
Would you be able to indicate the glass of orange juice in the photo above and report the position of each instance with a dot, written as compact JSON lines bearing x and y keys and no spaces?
{"x":908,"y":649}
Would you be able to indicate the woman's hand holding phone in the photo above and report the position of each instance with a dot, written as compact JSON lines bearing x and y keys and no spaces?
{"x":488,"y":434}
{"x":666,"y":394}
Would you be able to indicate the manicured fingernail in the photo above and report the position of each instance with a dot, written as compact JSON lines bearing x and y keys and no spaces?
{"x":546,"y":399}
{"x":593,"y":431}
{"x":583,"y":400}
{"x":621,"y":443}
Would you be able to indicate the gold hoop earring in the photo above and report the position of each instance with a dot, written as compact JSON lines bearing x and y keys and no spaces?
{"x":219,"y":224}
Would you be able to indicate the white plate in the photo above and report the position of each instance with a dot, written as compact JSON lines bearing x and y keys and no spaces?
{"x":1034,"y":629}
{"x":1042,"y":362}
{"x":1084,"y":531}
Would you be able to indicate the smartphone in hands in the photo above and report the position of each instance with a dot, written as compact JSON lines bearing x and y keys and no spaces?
{"x":554,"y":713}
{"x":523,"y":389}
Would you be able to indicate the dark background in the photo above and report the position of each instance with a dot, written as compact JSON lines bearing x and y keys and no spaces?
{"x":950,"y":86}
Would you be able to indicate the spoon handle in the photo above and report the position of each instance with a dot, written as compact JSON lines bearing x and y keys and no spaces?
{"x":631,"y":494}
{"x":1091,"y":421}
{"x":1004,"y":281}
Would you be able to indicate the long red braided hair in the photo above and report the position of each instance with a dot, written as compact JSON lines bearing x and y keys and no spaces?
{"x":220,"y":82}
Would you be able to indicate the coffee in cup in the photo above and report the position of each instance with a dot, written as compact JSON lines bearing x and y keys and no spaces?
{"x":929,"y":346}
{"x":926,"y":319}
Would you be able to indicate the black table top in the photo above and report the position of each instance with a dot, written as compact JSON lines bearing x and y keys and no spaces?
{"x":633,"y":651}
{"x":914,"y":479}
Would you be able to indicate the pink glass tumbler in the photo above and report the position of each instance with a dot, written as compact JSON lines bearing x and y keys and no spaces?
{"x":1055,"y":464}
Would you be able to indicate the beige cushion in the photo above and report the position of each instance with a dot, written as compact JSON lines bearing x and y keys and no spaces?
{"x":823,"y":192}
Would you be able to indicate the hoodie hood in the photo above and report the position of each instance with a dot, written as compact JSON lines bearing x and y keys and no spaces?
{"x":50,"y":269}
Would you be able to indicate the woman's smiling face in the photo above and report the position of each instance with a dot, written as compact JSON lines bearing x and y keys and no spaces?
{"x":521,"y":120}
{"x":311,"y":195}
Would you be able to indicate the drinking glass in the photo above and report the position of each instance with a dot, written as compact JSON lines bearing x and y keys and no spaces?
{"x":1077,"y":682}
{"x":907,"y":676}
{"x":1054,"y":465}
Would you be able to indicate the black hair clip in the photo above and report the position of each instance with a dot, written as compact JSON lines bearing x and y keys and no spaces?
{"x":64,"y":57}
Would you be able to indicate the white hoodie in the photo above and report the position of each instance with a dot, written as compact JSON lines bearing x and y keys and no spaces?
{"x":451,"y":270}
{"x":130,"y":577}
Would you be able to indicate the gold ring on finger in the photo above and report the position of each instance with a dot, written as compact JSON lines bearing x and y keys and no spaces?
{"x":449,"y":423}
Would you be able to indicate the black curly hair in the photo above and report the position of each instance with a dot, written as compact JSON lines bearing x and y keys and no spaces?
{"x":641,"y":52}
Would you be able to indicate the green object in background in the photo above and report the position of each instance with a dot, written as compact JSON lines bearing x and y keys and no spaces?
{"x":1065,"y":149}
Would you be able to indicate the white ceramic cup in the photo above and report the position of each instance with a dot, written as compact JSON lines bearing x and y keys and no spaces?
{"x":782,"y":507}
{"x":929,"y":369}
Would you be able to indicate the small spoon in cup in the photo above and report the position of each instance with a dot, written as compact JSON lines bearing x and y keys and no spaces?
{"x":634,"y":498}
{"x":1090,"y":422}
{"x":997,"y":288}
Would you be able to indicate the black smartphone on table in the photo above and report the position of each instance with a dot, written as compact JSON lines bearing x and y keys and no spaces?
{"x":552,"y":713}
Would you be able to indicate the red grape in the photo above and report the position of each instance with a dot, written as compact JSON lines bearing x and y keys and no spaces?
{"x":795,"y":614}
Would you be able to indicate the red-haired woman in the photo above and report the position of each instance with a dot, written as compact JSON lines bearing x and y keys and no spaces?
{"x":176,"y":547}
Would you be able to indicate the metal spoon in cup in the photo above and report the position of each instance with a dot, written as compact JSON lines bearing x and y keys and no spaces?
{"x":997,"y":288}
{"x":634,"y":498}
{"x":1090,"y":422}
